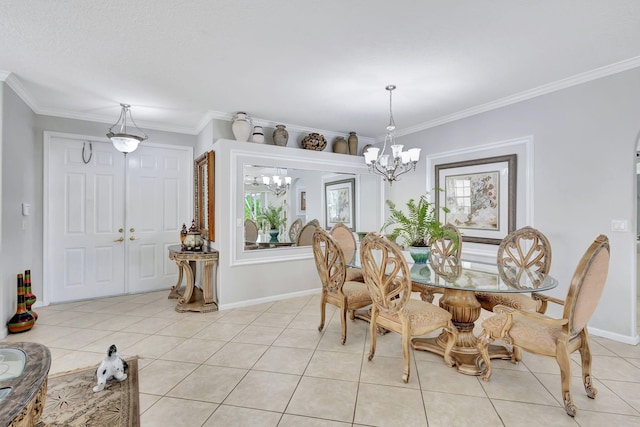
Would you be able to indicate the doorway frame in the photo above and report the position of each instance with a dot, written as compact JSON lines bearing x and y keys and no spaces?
{"x":47,"y":136}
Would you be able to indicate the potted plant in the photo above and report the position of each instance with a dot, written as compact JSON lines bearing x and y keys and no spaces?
{"x":418,"y":227}
{"x":274,"y":217}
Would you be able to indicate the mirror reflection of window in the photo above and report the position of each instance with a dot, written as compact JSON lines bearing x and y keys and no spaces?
{"x":304,"y":199}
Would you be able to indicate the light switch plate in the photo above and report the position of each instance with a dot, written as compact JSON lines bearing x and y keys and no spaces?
{"x":26,"y":209}
{"x":619,"y":225}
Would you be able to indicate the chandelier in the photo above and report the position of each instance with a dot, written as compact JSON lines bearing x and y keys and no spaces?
{"x":122,"y":140}
{"x":399,"y":162}
{"x":277,"y":184}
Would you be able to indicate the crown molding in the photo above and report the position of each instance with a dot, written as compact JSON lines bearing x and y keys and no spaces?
{"x":568,"y":82}
{"x":14,"y":83}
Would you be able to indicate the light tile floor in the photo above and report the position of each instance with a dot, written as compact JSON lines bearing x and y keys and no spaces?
{"x":267,"y":365}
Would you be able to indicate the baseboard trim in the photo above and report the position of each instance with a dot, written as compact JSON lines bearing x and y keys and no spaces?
{"x":272,"y":298}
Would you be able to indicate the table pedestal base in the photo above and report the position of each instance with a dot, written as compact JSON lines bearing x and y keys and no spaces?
{"x":197,"y":303}
{"x":468,"y":359}
{"x":465,"y":310}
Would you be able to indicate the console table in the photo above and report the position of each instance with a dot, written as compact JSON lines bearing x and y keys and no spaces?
{"x":23,"y":382}
{"x":194,"y":298}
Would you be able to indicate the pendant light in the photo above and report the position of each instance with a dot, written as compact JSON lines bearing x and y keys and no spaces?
{"x":122,"y":140}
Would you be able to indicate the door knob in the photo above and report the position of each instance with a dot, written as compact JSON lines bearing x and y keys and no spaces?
{"x":121,"y":239}
{"x":132,"y":238}
{"x":132,"y":230}
{"x":120,"y":230}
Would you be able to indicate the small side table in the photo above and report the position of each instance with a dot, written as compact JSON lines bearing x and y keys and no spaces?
{"x":193,"y":298}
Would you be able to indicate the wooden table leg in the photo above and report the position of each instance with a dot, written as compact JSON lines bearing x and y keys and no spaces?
{"x":208,"y":273}
{"x":188,"y":294}
{"x":465,"y":310}
{"x":194,"y":298}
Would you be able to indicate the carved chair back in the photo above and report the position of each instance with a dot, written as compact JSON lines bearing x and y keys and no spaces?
{"x":445,"y":252}
{"x":294,"y":229}
{"x":386,"y":273}
{"x":524,"y":249}
{"x":346,"y":241}
{"x":329,"y":260}
{"x":586,"y":285}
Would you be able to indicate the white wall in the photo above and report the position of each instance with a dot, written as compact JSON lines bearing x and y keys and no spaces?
{"x":22,"y":181}
{"x":585,"y":140}
{"x":246,"y":277}
{"x":19,"y":243}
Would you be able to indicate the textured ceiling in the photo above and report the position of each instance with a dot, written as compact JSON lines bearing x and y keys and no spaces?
{"x":315,"y":64}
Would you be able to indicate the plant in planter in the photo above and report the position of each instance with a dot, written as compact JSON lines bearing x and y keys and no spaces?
{"x":274,"y":217}
{"x":418,"y":227}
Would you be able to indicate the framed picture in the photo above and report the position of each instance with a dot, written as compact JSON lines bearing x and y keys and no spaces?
{"x":480,"y":195}
{"x":340,"y":203}
{"x":301,"y":201}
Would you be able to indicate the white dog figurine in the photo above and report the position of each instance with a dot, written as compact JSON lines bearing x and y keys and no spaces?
{"x":113,"y":366}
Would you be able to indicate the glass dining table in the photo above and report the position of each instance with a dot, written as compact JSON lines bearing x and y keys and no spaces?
{"x":459,"y":280}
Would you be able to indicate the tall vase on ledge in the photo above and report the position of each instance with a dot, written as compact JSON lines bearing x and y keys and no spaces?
{"x":280,"y":135}
{"x":353,"y":143}
{"x":241,"y":126}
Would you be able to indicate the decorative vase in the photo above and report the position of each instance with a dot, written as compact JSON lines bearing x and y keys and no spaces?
{"x":353,"y":143}
{"x":365,"y":148}
{"x":193,"y":240}
{"x":22,"y":321}
{"x":29,"y":297}
{"x":340,"y":145}
{"x":314,"y":141}
{"x":280,"y":136}
{"x":274,"y":235}
{"x":420,"y":254}
{"x":258,"y":135}
{"x":241,"y":126}
{"x":420,"y":271}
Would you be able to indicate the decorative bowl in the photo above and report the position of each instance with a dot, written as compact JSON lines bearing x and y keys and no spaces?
{"x":314,"y":141}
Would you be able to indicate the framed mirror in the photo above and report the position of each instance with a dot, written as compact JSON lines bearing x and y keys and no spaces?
{"x":204,"y":194}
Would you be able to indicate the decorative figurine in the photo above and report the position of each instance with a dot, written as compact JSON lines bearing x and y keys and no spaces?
{"x":193,"y":240}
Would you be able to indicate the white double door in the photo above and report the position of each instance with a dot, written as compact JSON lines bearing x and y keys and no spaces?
{"x":109,"y":220}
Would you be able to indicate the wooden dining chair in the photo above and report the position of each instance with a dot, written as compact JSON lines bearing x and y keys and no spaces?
{"x":547,"y":336}
{"x":305,"y":236}
{"x":523,"y":249}
{"x":387,"y":276}
{"x":336,"y":290}
{"x":347,"y":242}
{"x":294,"y":229}
{"x":445,"y":252}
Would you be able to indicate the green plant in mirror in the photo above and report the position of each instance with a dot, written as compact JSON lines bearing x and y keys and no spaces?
{"x":419,"y":225}
{"x":251,"y":207}
{"x":273,"y":216}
